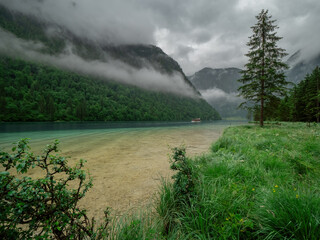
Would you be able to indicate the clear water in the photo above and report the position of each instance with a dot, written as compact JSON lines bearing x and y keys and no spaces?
{"x":38,"y":131}
{"x":125,"y":159}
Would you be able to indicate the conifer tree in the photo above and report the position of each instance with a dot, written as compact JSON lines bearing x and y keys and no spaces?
{"x":263,"y":77}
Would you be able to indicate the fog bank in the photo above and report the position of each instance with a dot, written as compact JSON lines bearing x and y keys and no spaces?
{"x":146,"y":77}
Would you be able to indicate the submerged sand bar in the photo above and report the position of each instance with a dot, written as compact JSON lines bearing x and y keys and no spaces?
{"x":125,"y":163}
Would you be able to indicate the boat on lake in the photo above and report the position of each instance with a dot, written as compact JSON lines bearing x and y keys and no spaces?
{"x":195,"y":120}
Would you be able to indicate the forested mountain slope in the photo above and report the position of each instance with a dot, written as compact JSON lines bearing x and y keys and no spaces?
{"x":35,"y":91}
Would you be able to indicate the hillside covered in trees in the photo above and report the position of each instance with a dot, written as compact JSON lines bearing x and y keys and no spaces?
{"x":33,"y":92}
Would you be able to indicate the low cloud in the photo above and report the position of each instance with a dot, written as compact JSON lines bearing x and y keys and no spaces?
{"x":146,"y":77}
{"x":225,"y":103}
{"x":216,"y":95}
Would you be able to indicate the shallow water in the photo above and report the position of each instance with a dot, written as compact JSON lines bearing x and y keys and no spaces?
{"x":126,"y":160}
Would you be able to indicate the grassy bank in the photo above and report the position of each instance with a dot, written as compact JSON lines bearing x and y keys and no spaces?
{"x":256,"y":183}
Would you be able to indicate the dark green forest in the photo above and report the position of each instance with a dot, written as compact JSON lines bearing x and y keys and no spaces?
{"x":34,"y":92}
{"x":301,"y":104}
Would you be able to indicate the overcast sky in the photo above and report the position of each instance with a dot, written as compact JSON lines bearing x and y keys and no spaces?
{"x":196,"y":33}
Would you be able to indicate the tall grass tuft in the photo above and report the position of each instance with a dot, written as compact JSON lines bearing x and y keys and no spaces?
{"x":167,"y":207}
{"x":136,"y":227}
{"x":289,"y":214}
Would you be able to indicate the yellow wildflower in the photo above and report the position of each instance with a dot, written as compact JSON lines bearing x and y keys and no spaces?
{"x":297,"y":196}
{"x":276,"y":186}
{"x":253,"y":189}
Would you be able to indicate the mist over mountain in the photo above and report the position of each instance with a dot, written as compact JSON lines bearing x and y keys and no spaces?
{"x":219,"y":87}
{"x":142,"y":65}
{"x":300,"y":65}
{"x":107,"y":81}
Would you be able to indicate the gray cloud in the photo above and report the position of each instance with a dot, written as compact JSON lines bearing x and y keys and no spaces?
{"x":184,"y":50}
{"x":202,"y":36}
{"x":147,"y":77}
{"x":216,"y":31}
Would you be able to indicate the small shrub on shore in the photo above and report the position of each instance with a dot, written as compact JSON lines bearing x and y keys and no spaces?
{"x":46,"y":207}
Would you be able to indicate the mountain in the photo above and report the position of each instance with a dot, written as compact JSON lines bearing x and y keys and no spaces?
{"x":294,"y":58}
{"x":219,"y":88}
{"x":48,"y":73}
{"x":300,"y":66}
{"x":222,"y":78}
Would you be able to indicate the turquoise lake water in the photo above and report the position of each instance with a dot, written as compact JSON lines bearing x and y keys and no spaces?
{"x":125,"y":159}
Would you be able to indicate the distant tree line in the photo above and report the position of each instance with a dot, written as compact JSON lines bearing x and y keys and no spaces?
{"x":301,"y":103}
{"x":34,"y":92}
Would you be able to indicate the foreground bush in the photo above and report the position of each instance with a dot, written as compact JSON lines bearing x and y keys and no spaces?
{"x":46,"y":207}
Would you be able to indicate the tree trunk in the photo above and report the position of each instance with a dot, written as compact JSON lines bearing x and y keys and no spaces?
{"x":317,"y":99}
{"x":262,"y":103}
{"x":262,"y":77}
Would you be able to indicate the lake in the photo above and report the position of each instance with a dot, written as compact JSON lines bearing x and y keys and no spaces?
{"x":125,"y":159}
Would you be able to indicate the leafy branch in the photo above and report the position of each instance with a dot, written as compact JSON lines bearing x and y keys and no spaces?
{"x":45,"y":207}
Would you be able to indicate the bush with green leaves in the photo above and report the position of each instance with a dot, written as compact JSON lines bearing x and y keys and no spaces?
{"x":44,"y":207}
{"x":184,"y":178}
{"x":175,"y":196}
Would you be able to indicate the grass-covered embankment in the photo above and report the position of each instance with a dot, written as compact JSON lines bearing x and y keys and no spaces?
{"x":256,"y":183}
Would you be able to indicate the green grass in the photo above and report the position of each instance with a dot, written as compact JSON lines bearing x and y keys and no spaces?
{"x":136,"y":227}
{"x":256,"y":183}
